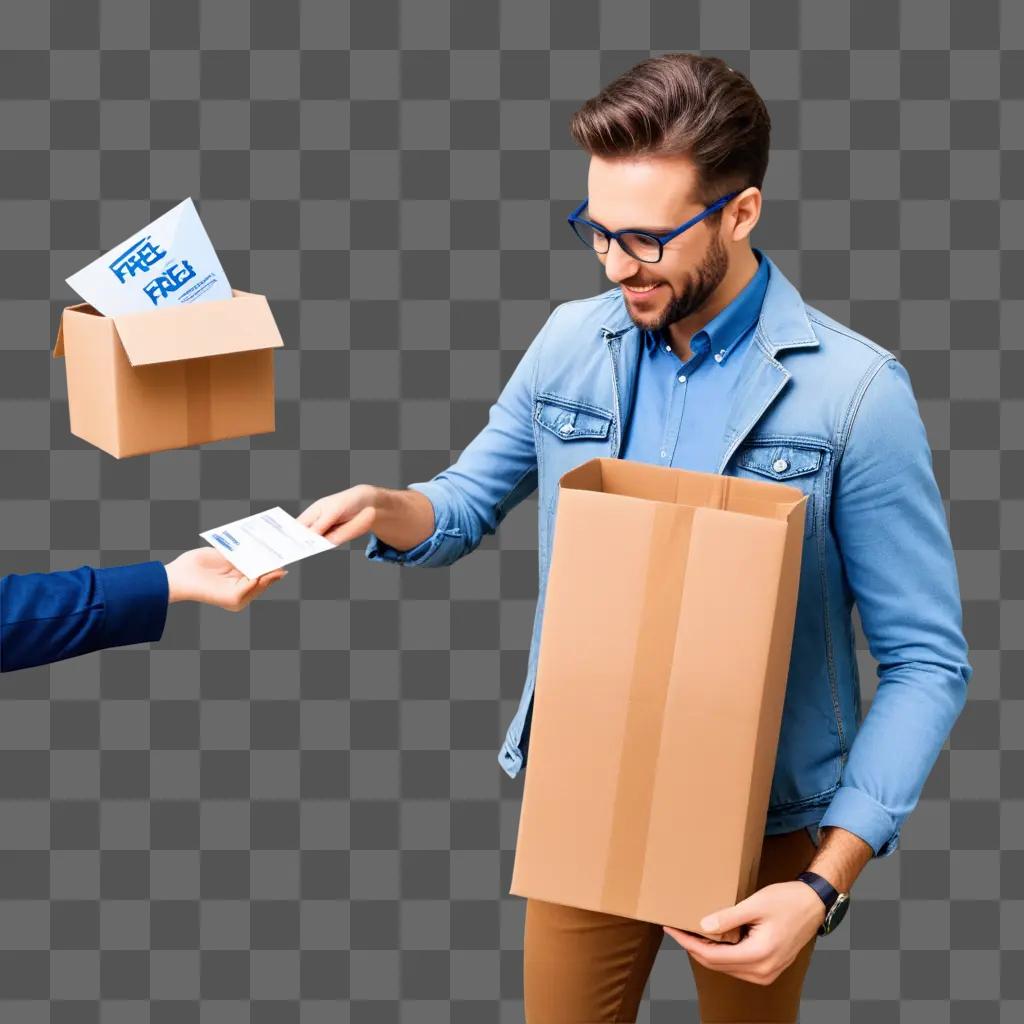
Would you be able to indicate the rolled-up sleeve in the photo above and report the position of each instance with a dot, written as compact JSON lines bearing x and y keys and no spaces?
{"x":899,"y":564}
{"x":442,"y":547}
{"x":48,"y":617}
{"x":494,"y":472}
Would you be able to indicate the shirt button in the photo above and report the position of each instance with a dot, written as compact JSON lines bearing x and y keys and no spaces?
{"x":668,"y":348}
{"x":682,"y":378}
{"x":780,"y":465}
{"x":718,"y":357}
{"x":663,"y":453}
{"x":566,"y":428}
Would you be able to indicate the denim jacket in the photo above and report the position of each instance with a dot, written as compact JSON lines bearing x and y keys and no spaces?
{"x":821,"y":408}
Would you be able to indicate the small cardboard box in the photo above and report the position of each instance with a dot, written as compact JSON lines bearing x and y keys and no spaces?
{"x":170,"y":378}
{"x":664,"y":655}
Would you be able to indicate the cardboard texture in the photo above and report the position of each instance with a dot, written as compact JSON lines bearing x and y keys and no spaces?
{"x":664,"y":654}
{"x":171,"y":378}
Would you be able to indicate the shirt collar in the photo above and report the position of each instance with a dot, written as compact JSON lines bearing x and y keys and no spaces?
{"x":731,"y":324}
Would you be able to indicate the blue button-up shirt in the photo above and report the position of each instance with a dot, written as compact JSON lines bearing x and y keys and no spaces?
{"x":680,"y":409}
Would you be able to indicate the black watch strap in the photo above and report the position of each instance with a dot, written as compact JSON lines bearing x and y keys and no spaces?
{"x":836,"y":903}
{"x":828,"y":893}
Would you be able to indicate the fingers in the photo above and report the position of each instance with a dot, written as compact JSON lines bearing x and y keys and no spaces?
{"x":718,"y":954}
{"x":244,"y":596}
{"x":332,"y":517}
{"x":249,"y":590}
{"x":310,"y":515}
{"x":355,"y":527}
{"x":266,"y":581}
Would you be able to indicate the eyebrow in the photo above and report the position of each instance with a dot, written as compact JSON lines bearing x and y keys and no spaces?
{"x":653,"y":231}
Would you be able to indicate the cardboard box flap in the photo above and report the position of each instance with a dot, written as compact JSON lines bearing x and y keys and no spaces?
{"x":243,"y":323}
{"x":683,"y":487}
{"x":82,"y":307}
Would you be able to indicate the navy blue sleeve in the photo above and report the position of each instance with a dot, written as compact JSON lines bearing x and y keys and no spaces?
{"x":47,"y":617}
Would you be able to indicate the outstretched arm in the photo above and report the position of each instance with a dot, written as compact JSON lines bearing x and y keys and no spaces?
{"x":51,"y":616}
{"x":47,"y":617}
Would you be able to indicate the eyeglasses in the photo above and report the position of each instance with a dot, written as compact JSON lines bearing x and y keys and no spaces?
{"x":641,"y":245}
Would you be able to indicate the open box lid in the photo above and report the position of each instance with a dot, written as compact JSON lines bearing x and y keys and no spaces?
{"x":684,"y":487}
{"x":242,"y":323}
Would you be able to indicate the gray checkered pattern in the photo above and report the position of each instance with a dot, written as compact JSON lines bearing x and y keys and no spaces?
{"x":295,"y":814}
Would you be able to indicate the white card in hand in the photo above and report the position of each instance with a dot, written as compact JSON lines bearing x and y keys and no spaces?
{"x":265,"y":541}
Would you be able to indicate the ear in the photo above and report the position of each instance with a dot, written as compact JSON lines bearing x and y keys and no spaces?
{"x":747,"y":212}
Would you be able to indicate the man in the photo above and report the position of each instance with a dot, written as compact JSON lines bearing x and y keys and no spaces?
{"x":703,"y":356}
{"x":48,"y":617}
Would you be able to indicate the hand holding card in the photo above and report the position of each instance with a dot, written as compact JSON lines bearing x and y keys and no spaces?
{"x":204,"y":576}
{"x":260,"y":543}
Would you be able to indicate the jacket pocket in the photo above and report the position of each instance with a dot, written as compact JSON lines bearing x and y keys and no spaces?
{"x":570,"y":433}
{"x":798,"y":465}
{"x":569,"y":420}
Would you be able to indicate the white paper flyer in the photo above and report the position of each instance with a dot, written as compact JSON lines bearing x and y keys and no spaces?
{"x":170,"y":262}
{"x":260,"y":543}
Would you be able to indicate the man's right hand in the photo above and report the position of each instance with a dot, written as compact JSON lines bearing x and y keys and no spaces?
{"x":343,"y":516}
{"x":206,"y":576}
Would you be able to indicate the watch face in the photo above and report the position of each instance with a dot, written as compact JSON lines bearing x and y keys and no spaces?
{"x":837,"y":912}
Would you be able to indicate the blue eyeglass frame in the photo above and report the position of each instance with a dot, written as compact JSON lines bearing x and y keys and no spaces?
{"x":575,"y":218}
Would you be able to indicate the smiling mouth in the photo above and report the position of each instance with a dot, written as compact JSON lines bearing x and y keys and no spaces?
{"x":641,"y":291}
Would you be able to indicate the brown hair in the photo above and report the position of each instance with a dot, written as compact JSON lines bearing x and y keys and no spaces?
{"x":682,"y":104}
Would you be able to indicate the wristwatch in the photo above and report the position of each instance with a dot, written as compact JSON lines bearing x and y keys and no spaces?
{"x":836,"y":903}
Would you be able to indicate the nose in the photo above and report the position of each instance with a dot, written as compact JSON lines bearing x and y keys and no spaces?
{"x":619,"y":266}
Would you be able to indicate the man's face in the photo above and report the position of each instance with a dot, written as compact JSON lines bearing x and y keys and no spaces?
{"x":654,"y":194}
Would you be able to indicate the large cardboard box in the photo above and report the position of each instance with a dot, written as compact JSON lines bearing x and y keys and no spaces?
{"x":664,"y":654}
{"x":170,"y":378}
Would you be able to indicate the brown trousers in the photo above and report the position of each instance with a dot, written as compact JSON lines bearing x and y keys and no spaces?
{"x":584,"y":967}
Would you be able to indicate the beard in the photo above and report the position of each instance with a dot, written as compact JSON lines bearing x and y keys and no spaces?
{"x":699,"y":286}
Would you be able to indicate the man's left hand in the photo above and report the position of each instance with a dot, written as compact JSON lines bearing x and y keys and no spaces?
{"x":782,"y":919}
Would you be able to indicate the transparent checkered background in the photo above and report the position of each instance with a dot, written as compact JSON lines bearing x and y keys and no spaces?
{"x":296,"y":813}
